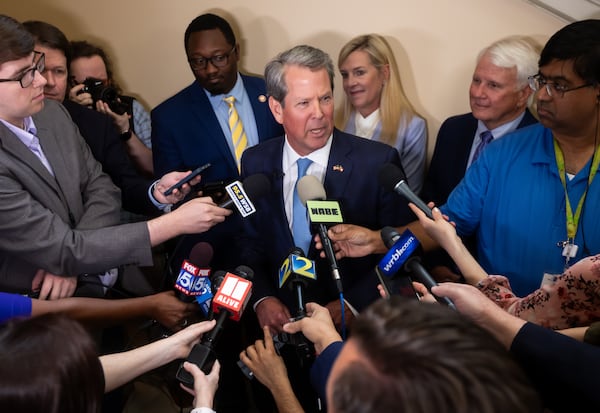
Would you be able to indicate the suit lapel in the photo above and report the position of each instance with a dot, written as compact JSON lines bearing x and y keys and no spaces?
{"x":339,"y":168}
{"x":209,"y":125}
{"x":466,"y":142}
{"x":16,"y":148}
{"x":259,"y":103}
{"x":272,"y":165}
{"x":63,"y":178}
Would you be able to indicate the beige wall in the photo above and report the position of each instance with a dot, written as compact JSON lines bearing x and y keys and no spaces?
{"x":435,"y":41}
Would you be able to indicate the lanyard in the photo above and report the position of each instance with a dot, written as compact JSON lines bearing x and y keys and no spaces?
{"x":573,"y":220}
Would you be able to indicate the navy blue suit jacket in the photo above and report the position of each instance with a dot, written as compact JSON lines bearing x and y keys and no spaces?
{"x":362,"y":200}
{"x":451,"y":155}
{"x":187,"y":134}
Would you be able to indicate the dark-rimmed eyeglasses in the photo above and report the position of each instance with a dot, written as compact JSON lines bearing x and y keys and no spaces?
{"x":537,"y":82}
{"x":26,"y":78}
{"x":220,"y":60}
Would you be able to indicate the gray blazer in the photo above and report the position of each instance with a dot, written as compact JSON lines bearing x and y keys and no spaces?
{"x":64,"y":224}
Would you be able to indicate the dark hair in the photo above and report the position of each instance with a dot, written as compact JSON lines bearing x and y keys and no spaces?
{"x":425,"y":358}
{"x":49,"y":364}
{"x":579,"y":42}
{"x":82,"y":48}
{"x":15,"y":42}
{"x":49,"y":36}
{"x":209,"y":21}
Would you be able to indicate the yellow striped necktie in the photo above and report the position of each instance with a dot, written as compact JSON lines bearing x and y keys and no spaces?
{"x":238,"y":135}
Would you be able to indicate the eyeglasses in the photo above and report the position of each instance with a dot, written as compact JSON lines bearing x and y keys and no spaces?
{"x":220,"y":60}
{"x":26,"y":78}
{"x":538,"y":81}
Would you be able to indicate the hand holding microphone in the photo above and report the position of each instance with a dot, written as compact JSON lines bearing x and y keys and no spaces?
{"x":321,"y":213}
{"x":229,"y":301}
{"x":402,"y":255}
{"x":296,"y":272}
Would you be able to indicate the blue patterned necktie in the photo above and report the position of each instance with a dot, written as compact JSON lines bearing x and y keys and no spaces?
{"x":486,"y":137}
{"x":300,"y":227}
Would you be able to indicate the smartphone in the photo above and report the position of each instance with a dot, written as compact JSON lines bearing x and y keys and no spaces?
{"x":187,"y":179}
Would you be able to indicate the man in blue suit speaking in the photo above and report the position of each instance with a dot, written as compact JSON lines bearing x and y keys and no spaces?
{"x":300,"y":88}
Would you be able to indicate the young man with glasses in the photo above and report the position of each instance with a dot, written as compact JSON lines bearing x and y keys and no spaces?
{"x":532,"y":197}
{"x":58,"y":211}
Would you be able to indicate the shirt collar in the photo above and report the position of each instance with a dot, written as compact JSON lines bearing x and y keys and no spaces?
{"x":503,"y":129}
{"x":25,"y":135}
{"x":319,"y":157}
{"x":237,"y":92}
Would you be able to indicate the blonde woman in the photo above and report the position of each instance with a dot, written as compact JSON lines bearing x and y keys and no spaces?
{"x":376,"y":107}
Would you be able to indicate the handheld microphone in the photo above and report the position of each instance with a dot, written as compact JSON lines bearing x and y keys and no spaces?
{"x":390,"y":264}
{"x":191,"y":283}
{"x":240,"y":196}
{"x":393,"y":179}
{"x":229,"y":301}
{"x":321,"y":213}
{"x":400,"y":256}
{"x":295,"y":272}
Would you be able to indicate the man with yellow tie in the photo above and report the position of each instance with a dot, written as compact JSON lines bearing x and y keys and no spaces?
{"x":212,"y":120}
{"x":219,"y":115}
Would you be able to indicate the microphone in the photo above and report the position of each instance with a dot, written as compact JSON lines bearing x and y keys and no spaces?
{"x":393,"y":179}
{"x":321,"y":213}
{"x":240,"y":196}
{"x":295,"y":272}
{"x":191,"y":283}
{"x":389,"y":266}
{"x":401,"y":255}
{"x":229,"y":301}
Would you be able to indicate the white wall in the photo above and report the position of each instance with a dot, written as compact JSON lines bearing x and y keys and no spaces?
{"x":435,"y":41}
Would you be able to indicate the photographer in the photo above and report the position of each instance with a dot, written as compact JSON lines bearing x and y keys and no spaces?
{"x":93,"y":85}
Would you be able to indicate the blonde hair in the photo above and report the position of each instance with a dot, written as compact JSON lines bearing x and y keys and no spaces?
{"x":394,"y":108}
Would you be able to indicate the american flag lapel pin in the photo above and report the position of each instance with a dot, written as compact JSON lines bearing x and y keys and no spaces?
{"x":338,"y":168}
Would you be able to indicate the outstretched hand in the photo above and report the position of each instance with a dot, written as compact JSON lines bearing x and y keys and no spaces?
{"x":317,"y":327}
{"x":205,"y":385}
{"x":352,"y":241}
{"x":170,"y":179}
{"x":439,"y":228}
{"x":264,"y":362}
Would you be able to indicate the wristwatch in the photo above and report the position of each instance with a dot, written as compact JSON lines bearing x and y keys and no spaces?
{"x":125,"y":136}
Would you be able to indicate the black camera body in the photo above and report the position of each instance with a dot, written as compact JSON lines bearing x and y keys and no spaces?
{"x":106,"y":93}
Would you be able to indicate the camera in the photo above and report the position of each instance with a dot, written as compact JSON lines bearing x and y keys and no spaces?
{"x":108,"y":94}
